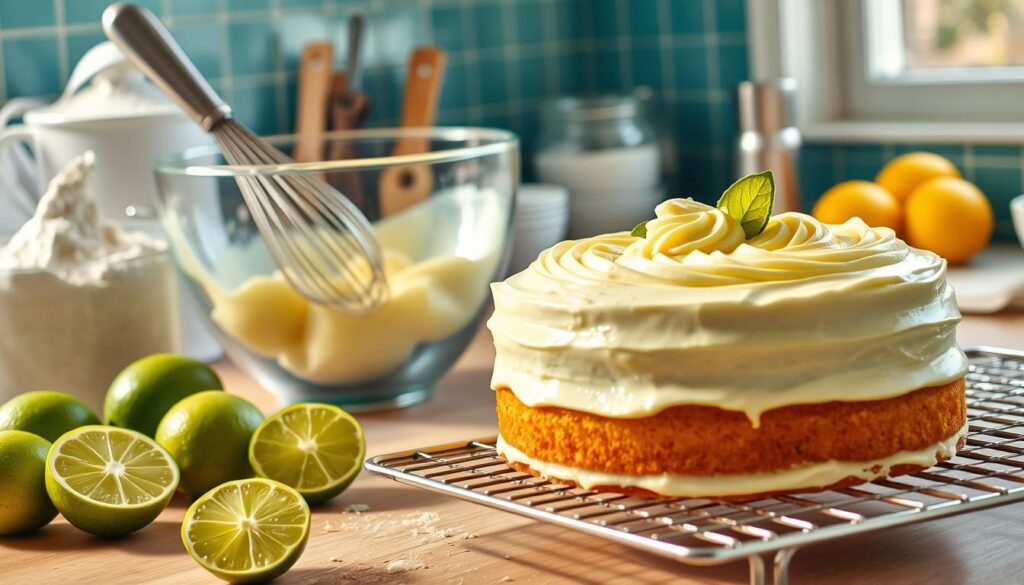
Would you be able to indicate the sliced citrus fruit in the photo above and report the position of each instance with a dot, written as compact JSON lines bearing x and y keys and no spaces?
{"x":247,"y":530}
{"x":109,"y":481}
{"x":318,"y":449}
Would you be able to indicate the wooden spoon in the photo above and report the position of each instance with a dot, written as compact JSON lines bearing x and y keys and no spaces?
{"x":404,"y":186}
{"x":316,"y":71}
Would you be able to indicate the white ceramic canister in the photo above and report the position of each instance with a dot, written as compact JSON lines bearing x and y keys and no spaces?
{"x":111,"y":109}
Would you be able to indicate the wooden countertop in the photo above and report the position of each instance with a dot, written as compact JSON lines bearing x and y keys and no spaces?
{"x":470,"y":544}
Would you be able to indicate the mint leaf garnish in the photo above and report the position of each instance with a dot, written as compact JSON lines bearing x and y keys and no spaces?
{"x":750,"y":201}
{"x":639,"y":230}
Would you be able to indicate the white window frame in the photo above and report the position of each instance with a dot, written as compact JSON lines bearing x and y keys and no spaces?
{"x":809,"y":40}
{"x":885,"y":65}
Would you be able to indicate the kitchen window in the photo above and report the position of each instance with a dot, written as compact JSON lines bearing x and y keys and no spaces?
{"x":927,"y":70}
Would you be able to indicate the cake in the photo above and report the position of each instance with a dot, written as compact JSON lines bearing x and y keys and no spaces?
{"x":697,"y":357}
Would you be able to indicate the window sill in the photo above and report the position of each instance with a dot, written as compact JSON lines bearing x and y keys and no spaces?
{"x":914,"y":132}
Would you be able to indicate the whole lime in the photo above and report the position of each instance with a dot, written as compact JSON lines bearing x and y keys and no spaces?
{"x":46,"y":413}
{"x":24,"y":505}
{"x":208,"y":435}
{"x":145,"y":390}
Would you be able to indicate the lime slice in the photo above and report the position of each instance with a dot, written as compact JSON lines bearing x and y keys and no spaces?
{"x":247,"y":530}
{"x":318,"y":449}
{"x":109,"y":481}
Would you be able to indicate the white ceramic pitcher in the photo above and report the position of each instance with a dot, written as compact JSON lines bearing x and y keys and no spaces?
{"x":126,"y":121}
{"x":111,"y":109}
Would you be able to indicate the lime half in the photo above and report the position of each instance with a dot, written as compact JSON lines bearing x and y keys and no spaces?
{"x":109,"y":481}
{"x":247,"y":530}
{"x":318,"y":449}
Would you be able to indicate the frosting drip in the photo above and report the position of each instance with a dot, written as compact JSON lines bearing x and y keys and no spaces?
{"x":694,"y":314}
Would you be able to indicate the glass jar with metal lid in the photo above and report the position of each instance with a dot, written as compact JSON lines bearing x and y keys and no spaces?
{"x":606,"y":151}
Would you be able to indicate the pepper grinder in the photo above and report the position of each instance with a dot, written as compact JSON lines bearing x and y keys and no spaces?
{"x":768,"y":137}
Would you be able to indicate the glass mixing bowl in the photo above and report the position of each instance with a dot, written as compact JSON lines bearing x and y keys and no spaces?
{"x":443,"y":245}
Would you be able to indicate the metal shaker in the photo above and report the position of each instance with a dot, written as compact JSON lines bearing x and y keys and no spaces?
{"x":768,"y":137}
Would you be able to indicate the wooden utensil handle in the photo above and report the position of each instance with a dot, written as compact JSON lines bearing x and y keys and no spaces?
{"x":423,"y":82}
{"x":405,"y":186}
{"x":315,"y":79}
{"x":347,"y":114}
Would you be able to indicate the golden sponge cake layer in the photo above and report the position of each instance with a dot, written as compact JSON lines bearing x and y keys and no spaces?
{"x":706,"y":441}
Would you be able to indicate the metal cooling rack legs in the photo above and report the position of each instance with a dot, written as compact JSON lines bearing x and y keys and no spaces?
{"x":780,"y":568}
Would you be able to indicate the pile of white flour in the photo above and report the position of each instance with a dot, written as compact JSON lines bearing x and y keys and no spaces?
{"x":79,"y":297}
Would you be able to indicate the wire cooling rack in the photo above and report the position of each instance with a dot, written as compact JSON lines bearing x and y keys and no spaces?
{"x":988,"y":471}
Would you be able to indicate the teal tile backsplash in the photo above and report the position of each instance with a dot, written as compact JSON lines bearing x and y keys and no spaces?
{"x":244,"y":5}
{"x":20,"y":14}
{"x":87,"y":11}
{"x":31,"y":65}
{"x":193,"y":7}
{"x":203,"y":41}
{"x":505,"y":57}
{"x":252,"y":47}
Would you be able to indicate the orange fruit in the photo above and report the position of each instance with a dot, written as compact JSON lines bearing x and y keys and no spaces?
{"x":905,"y":173}
{"x":863,"y":199}
{"x":950,"y":217}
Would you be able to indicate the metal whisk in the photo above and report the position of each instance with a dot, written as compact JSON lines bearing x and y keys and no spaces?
{"x":319,"y":240}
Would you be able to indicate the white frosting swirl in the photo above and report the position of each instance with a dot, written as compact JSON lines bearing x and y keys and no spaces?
{"x":693,"y":314}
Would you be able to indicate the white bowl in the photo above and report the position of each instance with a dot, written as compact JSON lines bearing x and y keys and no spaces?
{"x":554,"y":226}
{"x":542,"y":211}
{"x":541,"y":221}
{"x":541,"y":227}
{"x":539,"y":195}
{"x":590,"y":218}
{"x":1017,"y":212}
{"x":543,"y":214}
{"x":615,"y":197}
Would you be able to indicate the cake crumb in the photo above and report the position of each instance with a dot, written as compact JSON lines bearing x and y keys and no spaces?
{"x":508,"y":557}
{"x":420,"y":518}
{"x":335,"y":559}
{"x":404,"y":566}
{"x":506,"y":579}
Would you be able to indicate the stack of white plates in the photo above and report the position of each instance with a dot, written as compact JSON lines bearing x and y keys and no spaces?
{"x":541,"y":221}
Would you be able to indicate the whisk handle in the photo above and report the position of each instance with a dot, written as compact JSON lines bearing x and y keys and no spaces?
{"x":149,"y":45}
